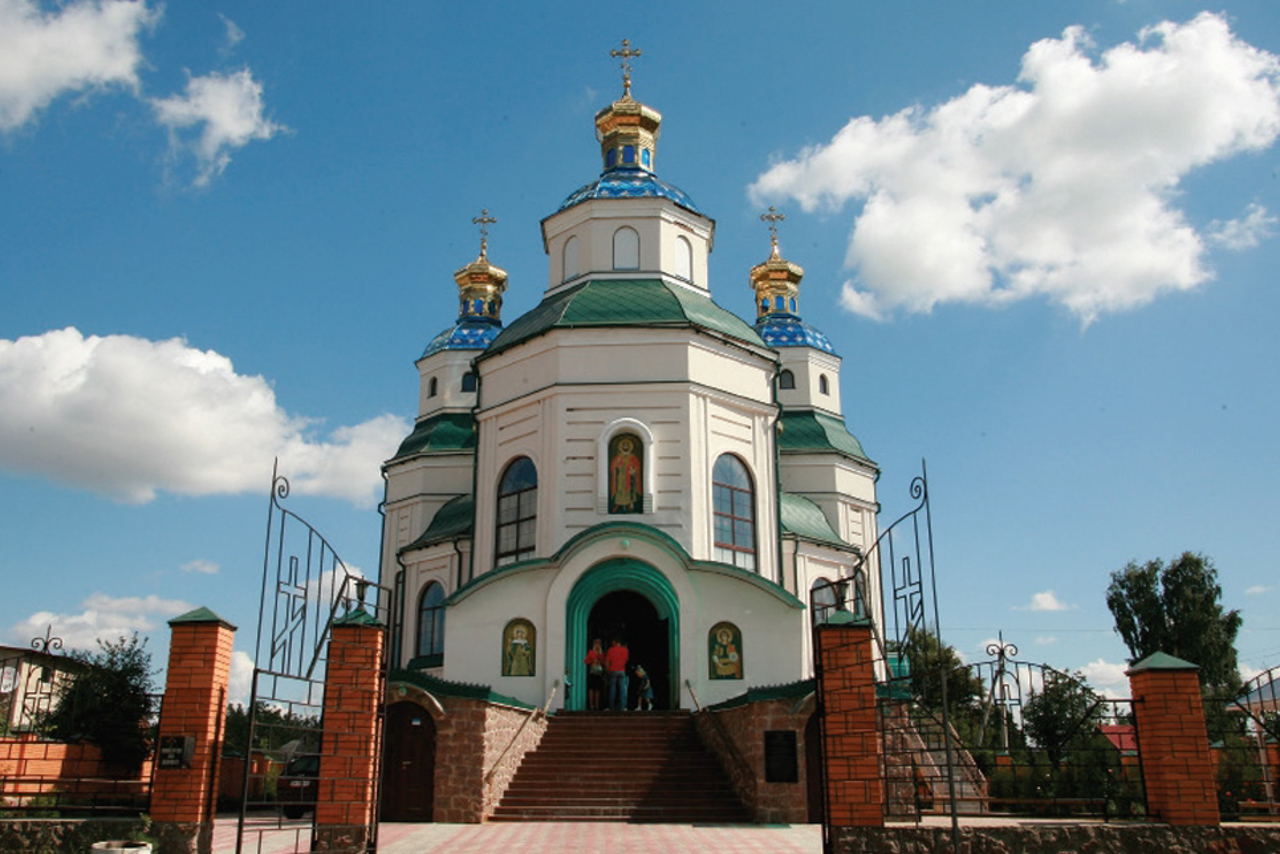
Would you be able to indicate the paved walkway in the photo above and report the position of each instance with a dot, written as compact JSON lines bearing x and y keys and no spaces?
{"x":274,"y":837}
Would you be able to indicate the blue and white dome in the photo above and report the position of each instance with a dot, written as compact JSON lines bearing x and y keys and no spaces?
{"x":469,"y":333}
{"x":787,"y":330}
{"x":621,"y":183}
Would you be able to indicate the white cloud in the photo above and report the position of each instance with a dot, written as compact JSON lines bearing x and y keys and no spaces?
{"x":1045,"y":640}
{"x":103,"y":618}
{"x":128,"y":417}
{"x":1246,"y":232}
{"x":205,"y":567}
{"x":1045,"y":600}
{"x":229,"y":113}
{"x":79,"y":46}
{"x":235,"y":35}
{"x":1060,"y":187}
{"x":1258,"y":590}
{"x":1107,"y":676}
{"x":240,"y":682}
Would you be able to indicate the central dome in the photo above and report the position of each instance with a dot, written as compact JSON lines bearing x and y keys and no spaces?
{"x":629,"y":184}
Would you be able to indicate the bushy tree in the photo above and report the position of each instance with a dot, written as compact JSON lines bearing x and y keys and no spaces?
{"x":928,"y":658}
{"x":1177,"y":609}
{"x":1063,"y":711}
{"x":107,"y":702}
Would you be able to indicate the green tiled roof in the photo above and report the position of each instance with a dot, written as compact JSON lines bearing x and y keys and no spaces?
{"x":810,"y":430}
{"x":443,"y":687}
{"x":448,"y":431}
{"x":453,"y":519}
{"x":789,"y":691}
{"x":624,"y":302}
{"x":802,"y":517}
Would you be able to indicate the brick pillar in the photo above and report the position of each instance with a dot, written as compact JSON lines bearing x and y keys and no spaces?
{"x":189,"y":742}
{"x":345,"y":805}
{"x":1173,"y":744}
{"x":855,"y":791}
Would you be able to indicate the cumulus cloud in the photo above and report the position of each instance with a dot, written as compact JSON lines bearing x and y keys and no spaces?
{"x":1062,"y":186}
{"x":216,"y":115}
{"x":204,"y":567}
{"x":80,"y":46}
{"x":235,"y":35}
{"x":102,"y":617}
{"x":240,"y":681}
{"x":128,"y":417}
{"x":1107,"y":676}
{"x":1045,"y":600}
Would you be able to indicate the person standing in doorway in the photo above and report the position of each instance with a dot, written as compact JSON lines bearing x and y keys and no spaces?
{"x":615,"y":664}
{"x":595,"y":675}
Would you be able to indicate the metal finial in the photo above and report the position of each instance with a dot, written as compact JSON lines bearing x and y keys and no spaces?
{"x":48,"y":642}
{"x":484,"y":221}
{"x":773,"y":218}
{"x":625,"y":54}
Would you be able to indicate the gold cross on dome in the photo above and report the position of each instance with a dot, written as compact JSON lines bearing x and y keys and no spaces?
{"x":484,"y":221}
{"x":773,"y":218}
{"x":625,"y":54}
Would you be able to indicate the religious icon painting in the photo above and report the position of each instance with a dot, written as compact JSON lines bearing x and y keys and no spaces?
{"x":724,"y":643}
{"x":626,"y":474}
{"x":519,"y":648}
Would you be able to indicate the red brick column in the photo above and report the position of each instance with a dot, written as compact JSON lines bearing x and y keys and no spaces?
{"x":189,"y":741}
{"x":345,"y":804}
{"x":855,"y":791}
{"x":1173,"y":744}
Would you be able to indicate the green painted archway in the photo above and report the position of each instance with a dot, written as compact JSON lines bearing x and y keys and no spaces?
{"x":607,"y":577}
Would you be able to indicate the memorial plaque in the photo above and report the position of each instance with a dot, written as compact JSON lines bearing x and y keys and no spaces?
{"x":176,"y":751}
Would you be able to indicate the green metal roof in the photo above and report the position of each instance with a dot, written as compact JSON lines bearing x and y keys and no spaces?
{"x":445,"y":688}
{"x":448,"y":431}
{"x":789,"y":691}
{"x":454,"y":519}
{"x":810,"y":430}
{"x":802,"y":517}
{"x":625,"y":302}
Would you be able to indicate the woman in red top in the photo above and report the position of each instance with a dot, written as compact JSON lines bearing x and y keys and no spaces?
{"x":595,"y":675}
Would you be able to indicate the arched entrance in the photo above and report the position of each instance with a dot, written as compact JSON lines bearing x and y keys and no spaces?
{"x":632,"y":619}
{"x":637,"y":598}
{"x":408,"y":764}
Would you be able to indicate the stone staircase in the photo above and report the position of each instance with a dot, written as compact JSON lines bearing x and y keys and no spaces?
{"x":621,"y":766}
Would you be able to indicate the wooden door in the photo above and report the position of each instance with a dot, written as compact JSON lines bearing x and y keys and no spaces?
{"x":409,"y":764}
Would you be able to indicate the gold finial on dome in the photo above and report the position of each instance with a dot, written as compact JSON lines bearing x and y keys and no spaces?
{"x":626,"y":53}
{"x":480,"y":283}
{"x":776,"y":281}
{"x":627,"y":130}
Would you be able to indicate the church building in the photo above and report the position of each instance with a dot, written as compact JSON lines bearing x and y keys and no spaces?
{"x":627,"y":460}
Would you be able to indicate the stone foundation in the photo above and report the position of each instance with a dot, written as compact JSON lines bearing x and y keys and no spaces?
{"x":56,"y":835}
{"x":1129,"y":838}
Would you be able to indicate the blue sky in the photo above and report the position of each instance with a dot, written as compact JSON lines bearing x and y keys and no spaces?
{"x":1042,"y":237}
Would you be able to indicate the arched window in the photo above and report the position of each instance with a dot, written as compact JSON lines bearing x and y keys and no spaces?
{"x":786,"y":379}
{"x":822,"y":601}
{"x":469,"y":381}
{"x":684,"y":259}
{"x":431,"y":621}
{"x":431,"y":388}
{"x":734,"y":510}
{"x":626,"y":249}
{"x":517,"y":511}
{"x":570,"y":259}
{"x":823,"y":386}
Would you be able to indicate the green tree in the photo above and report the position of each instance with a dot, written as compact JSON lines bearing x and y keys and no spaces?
{"x":1177,"y":609}
{"x":1063,"y":712}
{"x":928,"y":658}
{"x":107,"y":702}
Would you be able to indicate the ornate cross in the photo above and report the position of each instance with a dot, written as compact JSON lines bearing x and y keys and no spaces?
{"x":625,"y":54}
{"x":773,"y":218}
{"x":484,"y":221}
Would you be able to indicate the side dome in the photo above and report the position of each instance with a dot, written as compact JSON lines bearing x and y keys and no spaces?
{"x":780,"y":330}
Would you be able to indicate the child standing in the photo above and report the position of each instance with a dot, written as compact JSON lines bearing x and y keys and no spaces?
{"x":644,"y":696}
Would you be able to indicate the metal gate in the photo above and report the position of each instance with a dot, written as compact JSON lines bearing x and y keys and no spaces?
{"x":305,"y":588}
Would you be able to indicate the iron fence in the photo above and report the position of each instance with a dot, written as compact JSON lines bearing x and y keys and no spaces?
{"x":1244,"y":745}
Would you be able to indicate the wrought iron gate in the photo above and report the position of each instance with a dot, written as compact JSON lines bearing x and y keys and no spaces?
{"x":305,"y":588}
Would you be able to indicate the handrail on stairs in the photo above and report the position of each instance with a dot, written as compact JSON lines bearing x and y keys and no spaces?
{"x":744,"y":767}
{"x":542,"y":712}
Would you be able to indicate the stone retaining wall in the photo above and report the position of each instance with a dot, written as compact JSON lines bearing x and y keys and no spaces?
{"x":64,"y":836}
{"x":469,"y":729}
{"x":1067,"y":838}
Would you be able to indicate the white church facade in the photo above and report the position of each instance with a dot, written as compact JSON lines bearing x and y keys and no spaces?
{"x":626,"y":460}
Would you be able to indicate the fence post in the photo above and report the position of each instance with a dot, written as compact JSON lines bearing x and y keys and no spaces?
{"x":189,"y":741}
{"x":1173,"y":743}
{"x":348,"y":760}
{"x":855,"y":791}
